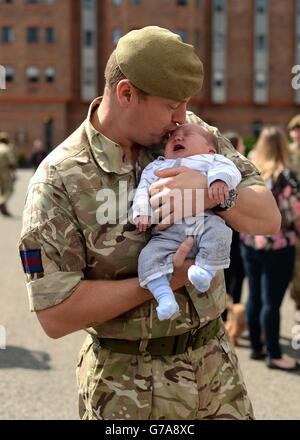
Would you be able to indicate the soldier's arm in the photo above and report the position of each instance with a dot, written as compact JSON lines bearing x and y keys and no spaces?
{"x":255,"y":212}
{"x":53,"y":255}
{"x":92,"y":303}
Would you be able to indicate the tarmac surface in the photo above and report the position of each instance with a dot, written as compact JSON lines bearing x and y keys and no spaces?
{"x":37,"y":374}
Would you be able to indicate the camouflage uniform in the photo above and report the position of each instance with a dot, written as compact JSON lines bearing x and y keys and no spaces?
{"x":294,"y":165}
{"x":61,"y":231}
{"x":7,"y":176}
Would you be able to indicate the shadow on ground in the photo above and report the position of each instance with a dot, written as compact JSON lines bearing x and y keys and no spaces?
{"x":17,"y":357}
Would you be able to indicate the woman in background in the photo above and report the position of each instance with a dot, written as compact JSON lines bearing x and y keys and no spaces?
{"x":269,"y":260}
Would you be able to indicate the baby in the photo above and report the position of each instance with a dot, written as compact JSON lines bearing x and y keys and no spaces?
{"x":196,"y":148}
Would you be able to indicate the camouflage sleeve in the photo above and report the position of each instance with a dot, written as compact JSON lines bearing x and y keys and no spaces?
{"x":51,"y":247}
{"x":250,"y":174}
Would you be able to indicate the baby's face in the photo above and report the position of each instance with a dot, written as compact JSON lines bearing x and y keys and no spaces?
{"x":187,"y":140}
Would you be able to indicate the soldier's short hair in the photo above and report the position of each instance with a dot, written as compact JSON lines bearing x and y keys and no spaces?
{"x":113,"y":72}
{"x":113,"y":75}
{"x":4,"y":137}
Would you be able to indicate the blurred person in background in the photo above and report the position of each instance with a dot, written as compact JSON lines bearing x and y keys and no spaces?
{"x":235,"y":274}
{"x":294,"y":147}
{"x":38,"y":153}
{"x":269,"y":260}
{"x":7,"y":172}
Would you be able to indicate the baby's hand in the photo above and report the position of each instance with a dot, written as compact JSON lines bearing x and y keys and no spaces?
{"x":143,"y":222}
{"x":218,"y":191}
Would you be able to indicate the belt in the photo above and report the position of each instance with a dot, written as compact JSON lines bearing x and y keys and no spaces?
{"x":167,"y":346}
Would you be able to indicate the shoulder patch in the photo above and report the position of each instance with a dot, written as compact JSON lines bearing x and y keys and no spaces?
{"x":32,"y":261}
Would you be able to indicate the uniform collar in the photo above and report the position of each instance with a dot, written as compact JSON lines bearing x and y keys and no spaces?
{"x":109,"y":155}
{"x":294,"y":148}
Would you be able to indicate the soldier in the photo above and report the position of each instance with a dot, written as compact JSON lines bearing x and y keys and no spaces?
{"x":82,"y":271}
{"x":7,"y":171}
{"x":294,"y":133}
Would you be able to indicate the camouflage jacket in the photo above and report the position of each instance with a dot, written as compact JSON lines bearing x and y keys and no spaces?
{"x":62,"y":242}
{"x":7,"y":160}
{"x":294,"y":162}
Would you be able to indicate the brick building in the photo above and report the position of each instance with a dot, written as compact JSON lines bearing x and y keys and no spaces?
{"x":54,"y":53}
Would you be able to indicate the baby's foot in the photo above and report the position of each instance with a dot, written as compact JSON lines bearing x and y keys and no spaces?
{"x":200,"y":278}
{"x":166,"y":309}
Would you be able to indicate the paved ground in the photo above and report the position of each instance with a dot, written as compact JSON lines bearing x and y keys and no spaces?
{"x":37,"y":374}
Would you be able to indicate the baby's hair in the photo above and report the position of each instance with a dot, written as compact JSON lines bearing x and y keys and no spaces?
{"x":210,"y":137}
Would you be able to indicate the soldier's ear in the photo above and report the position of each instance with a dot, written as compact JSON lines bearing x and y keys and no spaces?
{"x":125,"y":92}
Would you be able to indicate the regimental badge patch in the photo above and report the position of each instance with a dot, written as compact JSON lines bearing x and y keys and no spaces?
{"x":32,"y":261}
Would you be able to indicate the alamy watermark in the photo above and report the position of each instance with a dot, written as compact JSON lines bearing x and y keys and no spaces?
{"x":2,"y":78}
{"x":2,"y":337}
{"x":177,"y":206}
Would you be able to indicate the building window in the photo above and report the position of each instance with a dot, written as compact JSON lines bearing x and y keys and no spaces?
{"x":219,"y":41}
{"x":88,"y":39}
{"x":181,"y":2}
{"x":261,"y":6}
{"x":219,"y":32}
{"x":261,"y":42}
{"x":33,"y":74}
{"x":88,"y":4}
{"x":260,"y":84}
{"x":219,"y":6}
{"x":260,"y":80}
{"x":116,"y":35}
{"x":89,"y":68}
{"x":49,"y":2}
{"x":49,"y":35}
{"x":183,"y":34}
{"x":218,"y":79}
{"x":7,"y":34}
{"x":7,"y":1}
{"x":89,"y":77}
{"x":9,"y":73}
{"x":135,"y":2}
{"x":33,"y":2}
{"x":49,"y":74}
{"x":32,"y":35}
{"x":116,"y":2}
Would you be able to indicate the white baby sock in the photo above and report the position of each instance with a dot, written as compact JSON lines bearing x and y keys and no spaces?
{"x":200,"y":278}
{"x":162,"y":292}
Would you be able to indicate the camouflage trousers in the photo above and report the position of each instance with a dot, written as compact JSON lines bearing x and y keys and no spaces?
{"x":6,"y":188}
{"x":205,"y":383}
{"x":295,"y":287}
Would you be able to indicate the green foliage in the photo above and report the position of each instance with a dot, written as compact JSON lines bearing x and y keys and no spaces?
{"x":249,"y":142}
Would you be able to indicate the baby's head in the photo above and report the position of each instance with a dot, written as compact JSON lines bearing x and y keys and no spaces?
{"x":190,"y":139}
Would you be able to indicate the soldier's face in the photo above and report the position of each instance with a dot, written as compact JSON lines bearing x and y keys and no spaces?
{"x":295,"y":135}
{"x":154,"y":117}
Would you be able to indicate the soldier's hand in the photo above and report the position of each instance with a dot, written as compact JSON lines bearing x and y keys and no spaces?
{"x":181,"y":264}
{"x":175,"y":195}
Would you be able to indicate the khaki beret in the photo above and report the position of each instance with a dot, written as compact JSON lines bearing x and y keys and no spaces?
{"x":4,"y":136}
{"x":294,"y":122}
{"x":158,"y":62}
